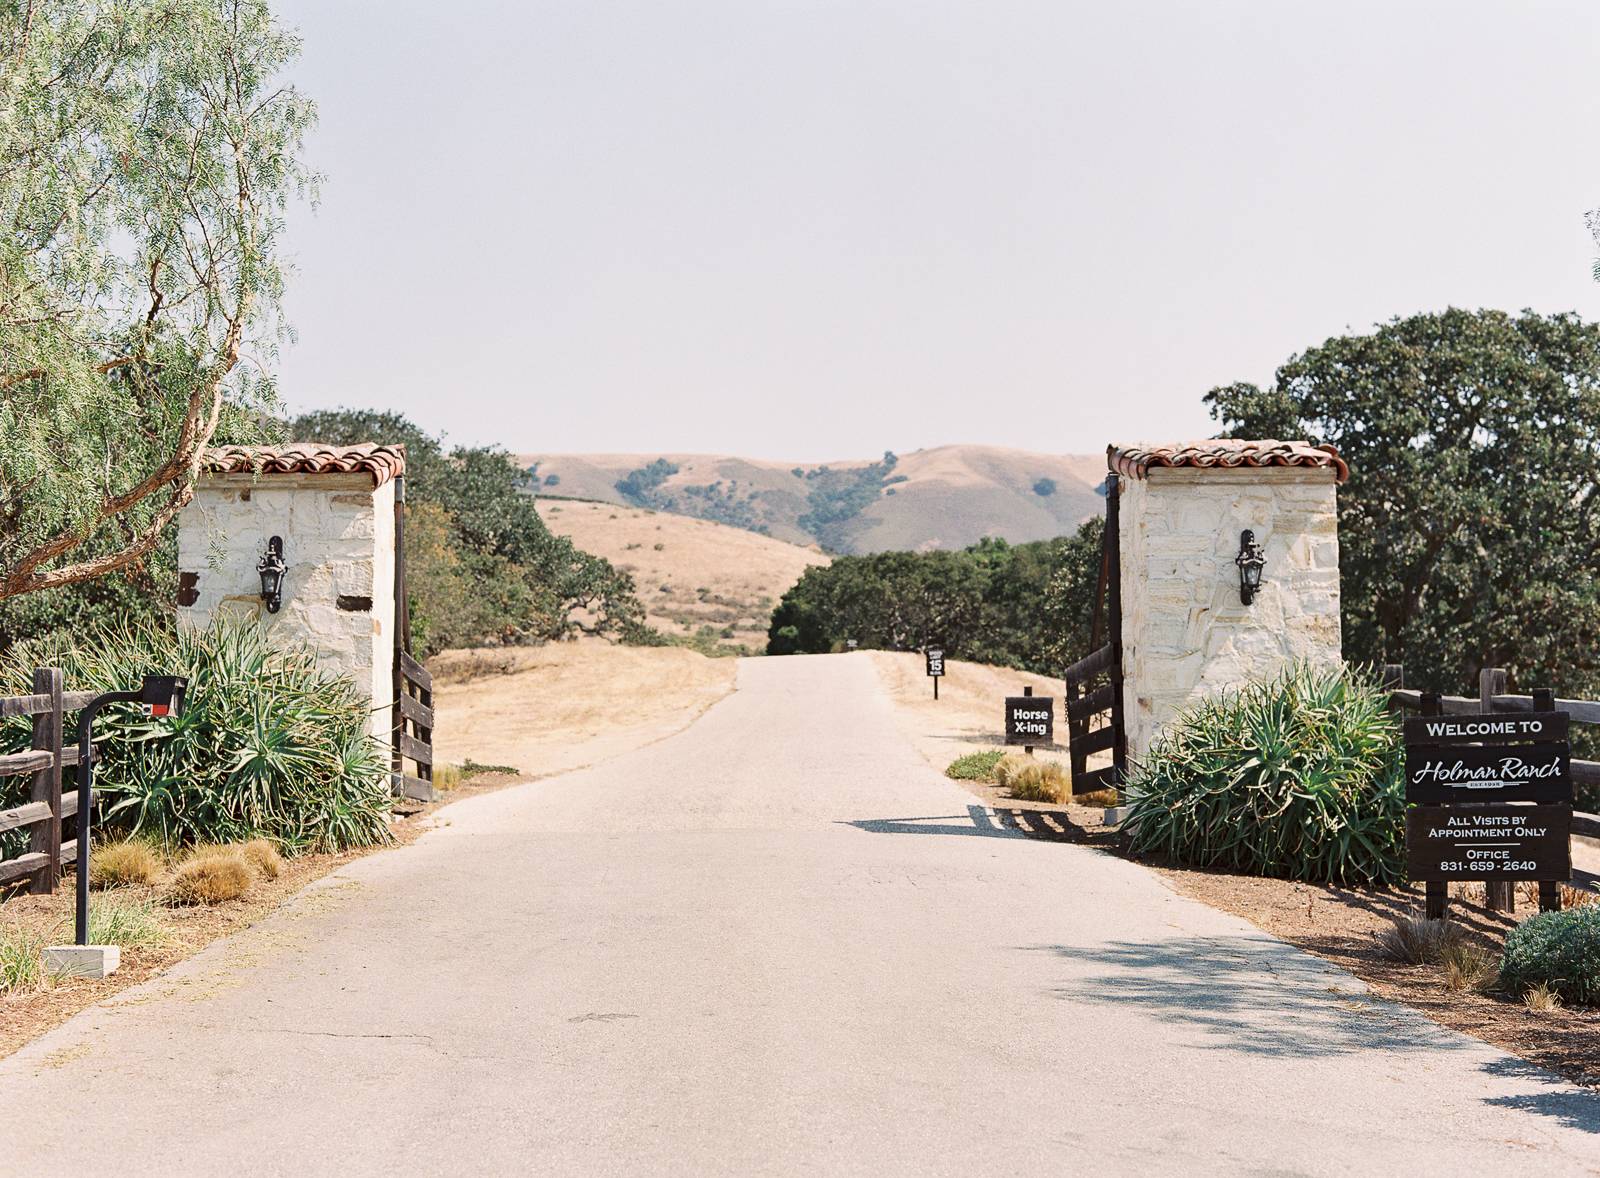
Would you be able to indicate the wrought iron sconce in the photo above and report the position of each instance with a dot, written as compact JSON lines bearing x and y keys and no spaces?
{"x":271,"y":568}
{"x":1251,"y":560}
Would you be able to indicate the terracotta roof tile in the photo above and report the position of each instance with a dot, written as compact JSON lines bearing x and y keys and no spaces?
{"x":1135,"y":461}
{"x":382,"y":462}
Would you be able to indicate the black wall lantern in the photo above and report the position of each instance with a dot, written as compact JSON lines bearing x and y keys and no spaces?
{"x":1251,"y":560}
{"x":271,"y":568}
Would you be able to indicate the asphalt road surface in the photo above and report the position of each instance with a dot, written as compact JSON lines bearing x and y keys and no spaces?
{"x":774,"y":943}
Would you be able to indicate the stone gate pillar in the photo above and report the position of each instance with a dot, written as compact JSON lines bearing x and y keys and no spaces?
{"x":334,"y":509}
{"x":1186,"y":632}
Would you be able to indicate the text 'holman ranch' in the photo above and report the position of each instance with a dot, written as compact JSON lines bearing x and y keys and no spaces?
{"x":1506,"y":771}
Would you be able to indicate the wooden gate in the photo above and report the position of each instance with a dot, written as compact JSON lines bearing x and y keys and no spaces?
{"x":1094,"y":682}
{"x":412,"y":737}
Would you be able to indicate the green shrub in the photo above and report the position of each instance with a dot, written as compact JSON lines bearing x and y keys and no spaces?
{"x":269,"y":746}
{"x":975,"y":766}
{"x":1299,"y":777}
{"x":1558,"y":950}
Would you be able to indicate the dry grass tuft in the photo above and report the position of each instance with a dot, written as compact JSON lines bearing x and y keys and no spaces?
{"x":446,"y":776}
{"x":1541,"y":998}
{"x":117,"y":865}
{"x":1031,"y":780}
{"x":1418,"y":941}
{"x":1572,"y":897}
{"x":1469,"y":967}
{"x":1098,"y":797}
{"x":211,"y":877}
{"x":262,"y":855}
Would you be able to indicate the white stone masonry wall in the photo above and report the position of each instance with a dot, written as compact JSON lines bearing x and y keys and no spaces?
{"x":338,"y":540}
{"x":1185,"y":633}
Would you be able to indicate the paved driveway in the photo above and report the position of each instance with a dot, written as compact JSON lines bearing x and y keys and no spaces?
{"x":774,"y":943}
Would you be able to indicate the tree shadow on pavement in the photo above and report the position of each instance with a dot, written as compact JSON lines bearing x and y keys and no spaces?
{"x":1246,"y":994}
{"x":1574,"y":1108}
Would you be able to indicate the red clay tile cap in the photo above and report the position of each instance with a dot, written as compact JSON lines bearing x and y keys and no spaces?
{"x":381,"y":462}
{"x":1135,"y":462}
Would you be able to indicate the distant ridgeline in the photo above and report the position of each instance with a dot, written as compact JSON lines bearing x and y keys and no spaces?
{"x":833,"y":497}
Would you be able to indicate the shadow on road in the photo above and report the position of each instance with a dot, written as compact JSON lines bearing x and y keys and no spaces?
{"x":1574,"y":1109}
{"x":1244,"y":994}
{"x":976,"y":821}
{"x":1009,"y":822}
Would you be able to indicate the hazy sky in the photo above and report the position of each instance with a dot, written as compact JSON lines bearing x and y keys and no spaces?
{"x":815,"y":230}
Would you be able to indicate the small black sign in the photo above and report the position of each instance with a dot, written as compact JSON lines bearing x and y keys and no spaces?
{"x":935,"y":658}
{"x":1544,"y":727}
{"x":1489,"y":773}
{"x":1489,"y":842}
{"x":1030,"y":719}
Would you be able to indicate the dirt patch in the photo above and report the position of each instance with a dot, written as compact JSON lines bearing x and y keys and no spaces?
{"x":551,"y":709}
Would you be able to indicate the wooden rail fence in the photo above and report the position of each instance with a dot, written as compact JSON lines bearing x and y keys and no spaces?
{"x":47,"y":807}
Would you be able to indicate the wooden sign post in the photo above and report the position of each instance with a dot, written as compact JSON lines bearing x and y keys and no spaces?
{"x":1490,"y":799}
{"x":1030,"y":720}
{"x":935,"y":658}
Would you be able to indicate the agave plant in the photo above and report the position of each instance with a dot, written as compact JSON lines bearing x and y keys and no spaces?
{"x":268,"y":746}
{"x":1299,"y":777}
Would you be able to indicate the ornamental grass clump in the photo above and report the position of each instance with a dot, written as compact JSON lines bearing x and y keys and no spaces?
{"x":268,"y":746}
{"x":1558,"y":953}
{"x":1298,"y":777}
{"x":1031,"y":780}
{"x":122,"y":864}
{"x":210,"y":878}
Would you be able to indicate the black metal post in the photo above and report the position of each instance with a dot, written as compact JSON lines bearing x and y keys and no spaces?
{"x":1027,"y":748}
{"x":86,"y":797}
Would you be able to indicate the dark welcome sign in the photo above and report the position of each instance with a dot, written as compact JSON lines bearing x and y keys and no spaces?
{"x":1489,"y":842}
{"x":1469,"y":779}
{"x":1030,"y":719}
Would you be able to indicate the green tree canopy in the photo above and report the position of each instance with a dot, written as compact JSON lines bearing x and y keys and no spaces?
{"x":147,"y":153}
{"x":1470,"y":527}
{"x":1017,"y":605}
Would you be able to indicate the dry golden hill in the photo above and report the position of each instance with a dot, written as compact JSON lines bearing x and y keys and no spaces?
{"x":694,"y":576}
{"x":945,"y":497}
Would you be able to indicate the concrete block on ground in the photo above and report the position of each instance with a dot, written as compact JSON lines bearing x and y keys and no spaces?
{"x":83,"y":961}
{"x":1116,"y":815}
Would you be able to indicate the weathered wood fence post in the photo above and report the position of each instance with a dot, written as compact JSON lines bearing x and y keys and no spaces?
{"x":47,"y":735}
